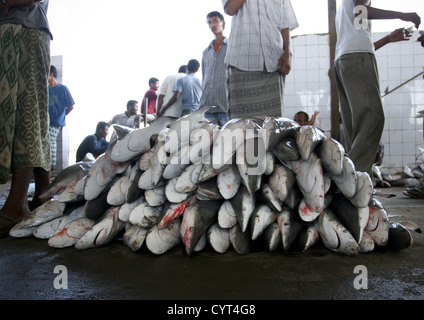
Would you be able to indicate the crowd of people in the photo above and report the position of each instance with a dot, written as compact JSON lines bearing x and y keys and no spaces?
{"x":242,"y":76}
{"x":179,"y":94}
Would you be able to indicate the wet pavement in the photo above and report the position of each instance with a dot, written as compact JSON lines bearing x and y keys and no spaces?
{"x":31,"y":270}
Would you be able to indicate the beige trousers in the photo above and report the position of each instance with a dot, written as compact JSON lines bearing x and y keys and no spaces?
{"x":361,"y":107}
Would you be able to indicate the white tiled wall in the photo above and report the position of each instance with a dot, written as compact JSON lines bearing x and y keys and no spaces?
{"x":308,"y":89}
{"x":62,"y":160}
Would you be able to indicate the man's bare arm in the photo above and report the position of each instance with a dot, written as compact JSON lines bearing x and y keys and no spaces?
{"x":69,"y":109}
{"x":395,"y":36}
{"x":171,"y":101}
{"x":159,"y":103}
{"x":284,"y":63}
{"x":6,"y":5}
{"x":233,"y":6}
{"x":377,"y":14}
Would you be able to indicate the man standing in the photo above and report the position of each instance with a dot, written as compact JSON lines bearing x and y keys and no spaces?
{"x":24,"y":105}
{"x":189,"y":88}
{"x":61,"y":104}
{"x":214,"y":71}
{"x":151,"y":97}
{"x":166,"y":92}
{"x":258,"y":55}
{"x":357,"y":77}
{"x":95,"y":144}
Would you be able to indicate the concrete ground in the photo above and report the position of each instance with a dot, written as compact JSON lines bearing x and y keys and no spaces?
{"x":115,"y":272}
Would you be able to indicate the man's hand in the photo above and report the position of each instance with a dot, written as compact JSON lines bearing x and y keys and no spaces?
{"x":399,"y":35}
{"x":5,"y":5}
{"x":421,"y":39}
{"x":395,"y":36}
{"x":311,"y":122}
{"x":412,"y":17}
{"x":284,"y":63}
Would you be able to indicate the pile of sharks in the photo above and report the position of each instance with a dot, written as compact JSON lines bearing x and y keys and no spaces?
{"x":190,"y":182}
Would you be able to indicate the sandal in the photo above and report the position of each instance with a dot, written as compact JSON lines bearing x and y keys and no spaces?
{"x":415,"y":192}
{"x":6,"y":224}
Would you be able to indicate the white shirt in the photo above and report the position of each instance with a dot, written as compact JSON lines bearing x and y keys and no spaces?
{"x":255,"y":40}
{"x":353,"y":33}
{"x":122,"y":120}
{"x":166,"y":88}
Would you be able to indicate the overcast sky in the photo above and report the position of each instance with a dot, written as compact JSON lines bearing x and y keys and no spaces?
{"x":111,"y":48}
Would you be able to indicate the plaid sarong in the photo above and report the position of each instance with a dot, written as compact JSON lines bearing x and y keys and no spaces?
{"x":24,"y":109}
{"x":255,"y":94}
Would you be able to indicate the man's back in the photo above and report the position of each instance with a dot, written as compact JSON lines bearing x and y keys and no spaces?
{"x":59,"y":99}
{"x":167,"y":89}
{"x":191,"y":91}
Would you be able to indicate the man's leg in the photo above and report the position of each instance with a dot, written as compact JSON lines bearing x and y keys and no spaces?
{"x":359,"y":77}
{"x":345,"y":114}
{"x":16,"y":207}
{"x":54,"y":132}
{"x":42,"y":181}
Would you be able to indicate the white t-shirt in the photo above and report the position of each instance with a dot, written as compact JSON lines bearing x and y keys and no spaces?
{"x":353,"y":33}
{"x":166,"y":88}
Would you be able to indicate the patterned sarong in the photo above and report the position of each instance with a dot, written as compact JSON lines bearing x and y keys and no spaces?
{"x":255,"y":94}
{"x":54,"y":132}
{"x":24,"y":109}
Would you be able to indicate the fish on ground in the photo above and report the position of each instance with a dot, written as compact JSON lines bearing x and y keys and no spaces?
{"x":103,"y":231}
{"x":159,"y":241}
{"x":48,"y":229}
{"x":306,"y":192}
{"x":335,"y":236}
{"x":71,"y":233}
{"x":67,"y":177}
{"x":47,"y":212}
{"x":197,"y":218}
{"x":219,"y":238}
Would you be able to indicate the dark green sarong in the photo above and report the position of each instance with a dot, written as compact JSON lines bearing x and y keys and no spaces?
{"x":24,"y":109}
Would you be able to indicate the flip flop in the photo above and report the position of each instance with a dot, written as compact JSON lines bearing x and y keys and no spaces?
{"x":409,"y":195}
{"x":415,"y":192}
{"x":6,"y":224}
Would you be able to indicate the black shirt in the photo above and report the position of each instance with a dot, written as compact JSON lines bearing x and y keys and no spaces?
{"x":93,"y":145}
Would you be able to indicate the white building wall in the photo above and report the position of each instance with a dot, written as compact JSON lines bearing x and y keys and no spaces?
{"x":308,"y":89}
{"x":62,"y":160}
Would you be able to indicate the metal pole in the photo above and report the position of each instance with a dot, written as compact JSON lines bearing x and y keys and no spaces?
{"x":335,"y":113}
{"x":146,"y":101}
{"x":401,"y":85}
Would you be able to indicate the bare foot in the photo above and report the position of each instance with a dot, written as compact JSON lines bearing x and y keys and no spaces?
{"x":9,"y":218}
